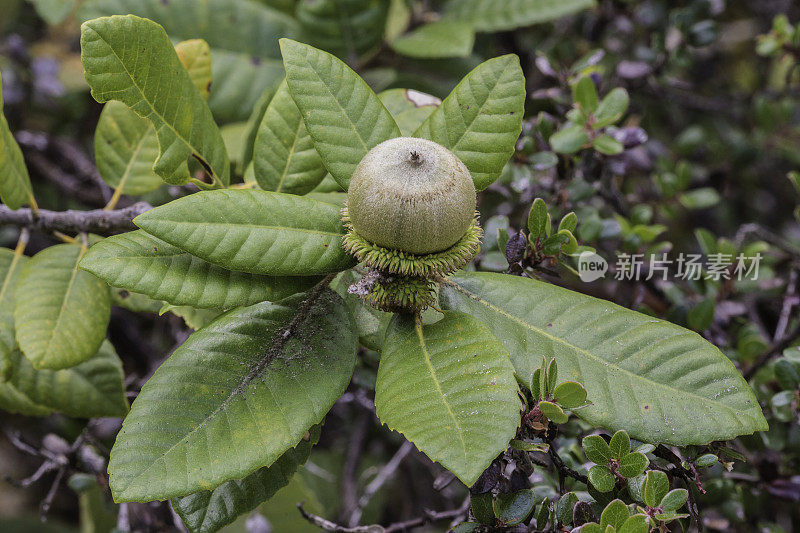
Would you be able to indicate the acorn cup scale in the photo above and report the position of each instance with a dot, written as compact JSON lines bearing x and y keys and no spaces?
{"x":410,"y":216}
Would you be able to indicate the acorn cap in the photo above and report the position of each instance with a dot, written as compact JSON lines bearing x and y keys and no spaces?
{"x":412,"y":195}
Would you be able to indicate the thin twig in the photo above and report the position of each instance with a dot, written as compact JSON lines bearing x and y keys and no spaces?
{"x":350,"y":468}
{"x":375,"y":485}
{"x":95,"y":221}
{"x":773,"y":350}
{"x":408,"y":525}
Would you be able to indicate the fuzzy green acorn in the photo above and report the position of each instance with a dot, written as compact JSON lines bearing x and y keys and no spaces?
{"x":410,"y":217}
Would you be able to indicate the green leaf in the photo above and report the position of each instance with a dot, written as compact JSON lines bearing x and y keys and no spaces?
{"x":15,"y":184}
{"x":674,"y":499}
{"x":193,"y":317}
{"x":438,"y":39}
{"x":96,"y":513}
{"x":656,"y":486}
{"x":61,"y":312}
{"x":565,"y":507}
{"x":514,"y":507}
{"x":553,"y":412}
{"x":208,"y":511}
{"x":460,"y":372}
{"x":195,"y":56}
{"x":669,"y":516}
{"x":14,"y":401}
{"x":701,"y":316}
{"x":707,"y":460}
{"x":251,"y":130}
{"x":91,"y":389}
{"x":347,"y":28}
{"x":620,"y":444}
{"x":635,"y":524}
{"x":482,"y":506}
{"x":234,"y":397}
{"x":601,"y":478}
{"x":481,"y":119}
{"x":608,"y":145}
{"x":409,"y":108}
{"x":585,"y":94}
{"x":591,"y":527}
{"x":284,"y":157}
{"x":245,"y":57}
{"x":10,"y":264}
{"x":253,"y":231}
{"x":569,"y":222}
{"x":611,"y":108}
{"x":537,"y":219}
{"x":658,"y":381}
{"x":569,"y":394}
{"x":131,"y":59}
{"x":53,"y":12}
{"x":552,"y":375}
{"x":786,"y":375}
{"x":342,"y":114}
{"x":144,"y":264}
{"x":615,"y":514}
{"x":633,"y":464}
{"x":125,"y":149}
{"x":569,"y":139}
{"x":536,"y":389}
{"x":597,"y":449}
{"x":701,"y":198}
{"x":489,"y":15}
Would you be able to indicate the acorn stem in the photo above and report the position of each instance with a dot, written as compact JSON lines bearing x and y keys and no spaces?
{"x":414,"y":158}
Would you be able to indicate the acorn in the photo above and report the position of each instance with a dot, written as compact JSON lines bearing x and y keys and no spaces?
{"x":410,"y":213}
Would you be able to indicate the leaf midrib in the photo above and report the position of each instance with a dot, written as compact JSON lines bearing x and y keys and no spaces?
{"x":588,"y":354}
{"x":229,"y":225}
{"x":70,"y":285}
{"x":129,"y":167}
{"x":291,"y":154}
{"x":432,"y":371}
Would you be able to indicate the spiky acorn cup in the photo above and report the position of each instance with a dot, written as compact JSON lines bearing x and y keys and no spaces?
{"x":410,"y":217}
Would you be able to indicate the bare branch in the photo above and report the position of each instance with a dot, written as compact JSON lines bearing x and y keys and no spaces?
{"x":95,"y":221}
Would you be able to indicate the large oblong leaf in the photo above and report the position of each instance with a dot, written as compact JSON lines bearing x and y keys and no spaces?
{"x":208,"y":511}
{"x":481,"y":119}
{"x":15,"y":184}
{"x":489,"y":15}
{"x":253,"y":231}
{"x":660,"y":382}
{"x":145,"y":264}
{"x":132,"y":60}
{"x":93,"y":388}
{"x":242,"y":34}
{"x":449,"y":387}
{"x":60,"y":312}
{"x":342,"y":114}
{"x":284,"y":157}
{"x":125,"y":149}
{"x":234,"y":397}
